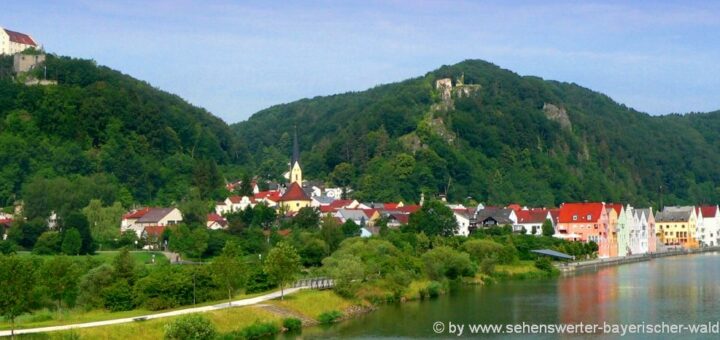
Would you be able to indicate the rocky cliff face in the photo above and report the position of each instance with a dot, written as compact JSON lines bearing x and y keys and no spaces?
{"x":557,"y":114}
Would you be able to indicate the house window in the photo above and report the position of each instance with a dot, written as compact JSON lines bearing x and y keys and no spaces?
{"x":574,"y":217}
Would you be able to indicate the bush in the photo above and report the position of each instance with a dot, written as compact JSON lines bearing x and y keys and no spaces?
{"x":118,"y":297}
{"x":8,"y":247}
{"x":292,"y":324}
{"x":190,"y":327}
{"x":482,"y":249}
{"x":329,"y":317}
{"x":443,"y":262}
{"x":259,"y":330}
{"x":487,"y":266}
{"x":543,"y":263}
{"x":433,"y":289}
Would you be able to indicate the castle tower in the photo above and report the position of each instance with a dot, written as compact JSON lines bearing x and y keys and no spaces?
{"x":295,"y":170}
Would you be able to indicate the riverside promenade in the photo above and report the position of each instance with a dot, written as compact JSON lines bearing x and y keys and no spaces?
{"x":572,"y":267}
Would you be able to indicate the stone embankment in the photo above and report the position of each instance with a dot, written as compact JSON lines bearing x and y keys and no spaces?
{"x":572,"y":267}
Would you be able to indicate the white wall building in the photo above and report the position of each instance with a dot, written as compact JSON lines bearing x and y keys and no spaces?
{"x":12,"y":42}
{"x":709,"y":226}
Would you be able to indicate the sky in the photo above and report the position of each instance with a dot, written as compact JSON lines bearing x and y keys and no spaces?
{"x":235,"y":58}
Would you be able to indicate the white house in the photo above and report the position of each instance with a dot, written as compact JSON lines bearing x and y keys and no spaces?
{"x":709,"y":226}
{"x":12,"y":42}
{"x":139,"y":219}
{"x":532,"y":220}
{"x":463,"y":217}
{"x":234,"y":204}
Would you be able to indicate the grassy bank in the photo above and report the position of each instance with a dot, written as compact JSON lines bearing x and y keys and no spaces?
{"x":309,"y":304}
{"x":46,"y":318}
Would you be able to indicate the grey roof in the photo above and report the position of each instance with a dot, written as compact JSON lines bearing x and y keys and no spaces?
{"x":380,"y":206}
{"x":553,"y":253}
{"x":324,"y":199}
{"x":352,"y":214}
{"x":674,"y":214}
{"x":154,"y":215}
{"x":641,"y":212}
{"x":502,"y":216}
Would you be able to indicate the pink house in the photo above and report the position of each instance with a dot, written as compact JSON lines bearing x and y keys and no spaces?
{"x":585,"y":222}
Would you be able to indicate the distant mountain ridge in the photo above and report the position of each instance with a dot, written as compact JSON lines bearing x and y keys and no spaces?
{"x":494,"y":136}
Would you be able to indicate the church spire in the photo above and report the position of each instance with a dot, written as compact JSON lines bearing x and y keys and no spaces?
{"x":296,"y":150}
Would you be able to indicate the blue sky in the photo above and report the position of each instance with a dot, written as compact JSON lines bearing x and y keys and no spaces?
{"x":235,"y":58}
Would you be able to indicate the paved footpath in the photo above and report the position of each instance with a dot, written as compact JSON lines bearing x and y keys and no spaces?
{"x":238,"y":303}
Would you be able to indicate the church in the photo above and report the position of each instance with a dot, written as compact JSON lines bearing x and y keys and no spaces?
{"x":295,"y":197}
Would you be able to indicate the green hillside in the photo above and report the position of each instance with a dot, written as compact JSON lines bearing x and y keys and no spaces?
{"x":100,"y":133}
{"x":503,"y":138}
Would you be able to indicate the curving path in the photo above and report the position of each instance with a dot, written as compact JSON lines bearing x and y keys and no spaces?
{"x":237,"y":303}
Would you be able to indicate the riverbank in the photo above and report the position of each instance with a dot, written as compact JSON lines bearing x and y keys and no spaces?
{"x":573,"y":267}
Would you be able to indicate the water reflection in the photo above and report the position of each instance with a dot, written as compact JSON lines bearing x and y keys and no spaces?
{"x":684,"y":289}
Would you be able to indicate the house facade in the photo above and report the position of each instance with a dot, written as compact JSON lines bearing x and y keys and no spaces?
{"x":137,"y":220}
{"x":677,"y":226}
{"x":12,"y":42}
{"x":709,"y":227}
{"x":585,"y":222}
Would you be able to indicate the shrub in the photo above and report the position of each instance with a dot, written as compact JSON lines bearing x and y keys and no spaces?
{"x":292,"y":324}
{"x":482,"y":249}
{"x":190,"y":327}
{"x":487,"y":266}
{"x":259,"y":330}
{"x":444,"y":261}
{"x":543,"y":263}
{"x":329,"y":317}
{"x":433,"y":289}
{"x":118,"y":297}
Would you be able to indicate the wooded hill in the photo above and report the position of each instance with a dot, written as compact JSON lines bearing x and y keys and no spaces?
{"x":501,"y":138}
{"x":100,"y":133}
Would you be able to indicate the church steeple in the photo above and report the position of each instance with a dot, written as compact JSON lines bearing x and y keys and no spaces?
{"x":295,"y":170}
{"x":296,"y":150}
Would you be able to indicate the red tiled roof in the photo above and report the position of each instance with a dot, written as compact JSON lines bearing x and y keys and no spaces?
{"x":401,"y":218}
{"x":154,"y":230}
{"x":327,"y":209}
{"x":391,"y":206}
{"x":409,"y":208}
{"x":271,"y":195}
{"x":215,"y":218}
{"x":369,"y":212}
{"x":20,"y":38}
{"x":514,"y":206}
{"x":235,"y":199}
{"x":136,"y":214}
{"x":582,"y":211}
{"x":617,"y":207}
{"x":708,"y":210}
{"x":337,"y":204}
{"x":294,"y":193}
{"x":531,"y":216}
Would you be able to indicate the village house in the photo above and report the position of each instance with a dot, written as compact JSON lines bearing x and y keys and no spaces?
{"x":12,"y":42}
{"x":531,"y":220}
{"x":710,"y":225}
{"x":614,"y":210}
{"x":137,"y":220}
{"x":152,"y":237}
{"x":585,"y":222}
{"x":463,"y":216}
{"x":677,"y":226}
{"x":647,"y":239}
{"x":294,"y":199}
{"x":215,"y":222}
{"x":488,"y":217}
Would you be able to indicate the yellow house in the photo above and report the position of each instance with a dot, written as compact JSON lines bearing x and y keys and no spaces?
{"x":294,"y":199}
{"x":677,"y":226}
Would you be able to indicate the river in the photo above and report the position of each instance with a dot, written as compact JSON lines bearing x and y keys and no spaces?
{"x":673,"y":290}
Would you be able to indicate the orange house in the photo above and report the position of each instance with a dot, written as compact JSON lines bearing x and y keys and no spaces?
{"x":585,"y":222}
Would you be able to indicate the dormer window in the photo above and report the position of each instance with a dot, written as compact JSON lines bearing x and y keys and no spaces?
{"x":589,"y":217}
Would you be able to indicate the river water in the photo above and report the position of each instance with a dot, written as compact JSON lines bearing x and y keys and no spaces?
{"x":682,"y":290}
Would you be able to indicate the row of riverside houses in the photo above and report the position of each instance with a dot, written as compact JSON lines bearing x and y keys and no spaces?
{"x":617,"y":229}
